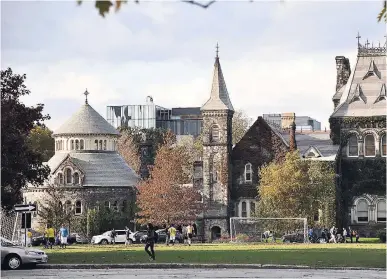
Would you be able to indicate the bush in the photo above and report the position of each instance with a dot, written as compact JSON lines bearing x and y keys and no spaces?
{"x":382,"y":235}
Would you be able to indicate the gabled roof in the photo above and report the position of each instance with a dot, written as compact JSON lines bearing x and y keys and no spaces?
{"x":219,"y":98}
{"x":86,"y":121}
{"x":312,"y":152}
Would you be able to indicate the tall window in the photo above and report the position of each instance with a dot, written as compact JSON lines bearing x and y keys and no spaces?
{"x":76,"y":178}
{"x":107,"y":204}
{"x":383,"y":145}
{"x":215,"y":175}
{"x":252,"y":208}
{"x":353,"y":147}
{"x":362,"y":211}
{"x":69,"y":177}
{"x":104,"y":145}
{"x":248,"y":172}
{"x":72,"y":144}
{"x":124,"y":206}
{"x":78,"y":207}
{"x":60,"y":178}
{"x":68,"y":207}
{"x":96,"y":144}
{"x":244,"y":209}
{"x":81,"y":144}
{"x":100,"y":145}
{"x":76,"y":144}
{"x":381,"y":211}
{"x":369,"y":146}
{"x":214,"y":136}
{"x":115,"y":206}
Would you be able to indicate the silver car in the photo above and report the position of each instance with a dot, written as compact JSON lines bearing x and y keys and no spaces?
{"x":14,"y":255}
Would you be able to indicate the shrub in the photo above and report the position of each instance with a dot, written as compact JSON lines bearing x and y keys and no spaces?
{"x":382,"y":235}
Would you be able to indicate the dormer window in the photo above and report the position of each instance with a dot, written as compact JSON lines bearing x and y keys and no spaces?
{"x":100,"y":145}
{"x":214,"y":133}
{"x":69,"y":177}
{"x":104,"y":144}
{"x":382,"y":94}
{"x":96,"y":144}
{"x":76,"y":144}
{"x":60,"y":178}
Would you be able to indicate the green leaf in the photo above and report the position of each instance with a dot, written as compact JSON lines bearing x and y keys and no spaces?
{"x":103,"y":7}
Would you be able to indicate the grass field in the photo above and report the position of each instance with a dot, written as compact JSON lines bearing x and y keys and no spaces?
{"x":316,"y":255}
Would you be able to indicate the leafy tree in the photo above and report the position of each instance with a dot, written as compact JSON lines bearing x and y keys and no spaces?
{"x":129,"y":150}
{"x":19,"y":163}
{"x":163,"y":198}
{"x":103,"y":7}
{"x":240,"y":124}
{"x":41,"y":141}
{"x":297,"y":188}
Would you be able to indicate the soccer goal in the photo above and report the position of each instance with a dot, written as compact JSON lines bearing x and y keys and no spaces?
{"x":250,"y":229}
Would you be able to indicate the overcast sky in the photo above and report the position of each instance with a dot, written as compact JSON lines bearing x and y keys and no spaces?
{"x":275,"y":57}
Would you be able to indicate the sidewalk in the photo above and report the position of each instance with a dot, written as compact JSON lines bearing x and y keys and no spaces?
{"x":185,"y":265}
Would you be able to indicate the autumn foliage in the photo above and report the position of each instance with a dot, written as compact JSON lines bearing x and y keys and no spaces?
{"x":163,"y":198}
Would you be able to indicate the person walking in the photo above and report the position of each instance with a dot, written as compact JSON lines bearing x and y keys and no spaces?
{"x":113,"y":235}
{"x":172,"y":234}
{"x":167,"y":235}
{"x":344,"y":235}
{"x":189,"y":233}
{"x":50,"y":236}
{"x":185,"y":234}
{"x":64,"y":233}
{"x":29,"y":238}
{"x":150,"y":242}
{"x":127,"y":232}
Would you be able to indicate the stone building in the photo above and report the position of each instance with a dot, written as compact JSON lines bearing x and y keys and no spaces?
{"x":86,"y":164}
{"x":358,"y":125}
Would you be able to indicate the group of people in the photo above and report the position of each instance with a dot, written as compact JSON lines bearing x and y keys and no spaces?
{"x":336,"y":235}
{"x":61,"y":236}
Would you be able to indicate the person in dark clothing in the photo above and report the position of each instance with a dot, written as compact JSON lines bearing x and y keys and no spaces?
{"x":150,"y":242}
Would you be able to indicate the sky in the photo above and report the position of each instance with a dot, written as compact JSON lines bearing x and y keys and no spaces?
{"x":276,"y":57}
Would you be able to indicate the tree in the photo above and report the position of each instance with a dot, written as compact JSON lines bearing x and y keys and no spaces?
{"x":129,"y":150}
{"x":163,"y":198}
{"x":296,"y":188}
{"x":240,"y":124}
{"x":19,"y":163}
{"x":41,"y":141}
{"x":103,"y":7}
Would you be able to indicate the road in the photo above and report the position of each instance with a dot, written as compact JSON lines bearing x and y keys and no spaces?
{"x":192,"y":273}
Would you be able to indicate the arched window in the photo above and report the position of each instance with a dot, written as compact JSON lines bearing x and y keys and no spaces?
{"x":56,"y":145}
{"x":214,"y":135}
{"x":69,"y":177}
{"x":78,"y":207}
{"x":353,"y":147}
{"x":60,"y":178}
{"x":244,"y":209}
{"x":381,"y":211}
{"x":369,"y":146}
{"x":383,"y":145}
{"x":60,"y":205}
{"x":62,"y":145}
{"x":72,"y":144}
{"x":115,"y":206}
{"x":252,"y":208}
{"x":362,"y":211}
{"x":248,"y":172}
{"x":100,"y":145}
{"x":76,"y":144}
{"x":96,"y":144}
{"x":76,"y":178}
{"x":104,"y":145}
{"x":68,"y":207}
{"x":81,"y":144}
{"x":107,"y":204}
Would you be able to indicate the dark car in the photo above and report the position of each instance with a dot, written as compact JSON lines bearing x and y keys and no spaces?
{"x":138,"y":236}
{"x":40,"y":240}
{"x":162,"y":236}
{"x":293,"y":238}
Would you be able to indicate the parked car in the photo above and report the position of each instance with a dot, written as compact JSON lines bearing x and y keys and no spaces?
{"x":13,"y":256}
{"x":105,"y":238}
{"x":72,"y":238}
{"x":138,"y":236}
{"x":163,"y":236}
{"x":293,"y":238}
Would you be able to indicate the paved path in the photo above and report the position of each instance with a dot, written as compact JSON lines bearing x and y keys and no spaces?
{"x":192,"y":273}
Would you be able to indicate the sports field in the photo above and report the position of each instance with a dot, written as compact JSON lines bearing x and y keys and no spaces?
{"x":316,"y":255}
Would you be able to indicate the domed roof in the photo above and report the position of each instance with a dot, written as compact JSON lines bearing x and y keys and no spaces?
{"x":86,"y":121}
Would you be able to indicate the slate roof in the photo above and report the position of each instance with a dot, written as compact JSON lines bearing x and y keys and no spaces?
{"x":186,"y":111}
{"x":360,"y":97}
{"x":102,"y":168}
{"x":219,"y":98}
{"x":86,"y":121}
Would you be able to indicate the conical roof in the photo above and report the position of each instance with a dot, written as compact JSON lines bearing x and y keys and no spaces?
{"x":219,"y":98}
{"x":86,"y":121}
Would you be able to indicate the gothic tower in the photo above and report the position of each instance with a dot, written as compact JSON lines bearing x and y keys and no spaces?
{"x":217,"y":115}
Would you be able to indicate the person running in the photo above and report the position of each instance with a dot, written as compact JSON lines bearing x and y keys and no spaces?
{"x":189,"y":233}
{"x":64,"y":233}
{"x":150,"y":242}
{"x":172,"y":234}
{"x":50,"y":236}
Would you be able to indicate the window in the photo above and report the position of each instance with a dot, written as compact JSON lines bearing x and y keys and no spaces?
{"x":353,"y":148}
{"x":362,"y":211}
{"x":115,"y":206}
{"x":104,"y":145}
{"x":60,"y":206}
{"x":68,"y":207}
{"x":76,"y":144}
{"x":100,"y":145}
{"x":72,"y":144}
{"x":248,"y":172}
{"x":60,"y":178}
{"x":78,"y":207}
{"x":76,"y":178}
{"x":96,"y":144}
{"x":69,"y":177}
{"x":381,"y":211}
{"x":124,"y":206}
{"x":81,"y":144}
{"x":383,"y":145}
{"x":244,"y":209}
{"x":215,"y":175}
{"x":252,"y":208}
{"x":369,"y":146}
{"x":214,"y":136}
{"x":107,"y":204}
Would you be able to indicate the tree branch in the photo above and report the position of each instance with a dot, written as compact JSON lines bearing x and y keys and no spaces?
{"x":204,"y":6}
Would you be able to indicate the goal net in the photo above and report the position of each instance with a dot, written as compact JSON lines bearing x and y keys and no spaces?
{"x":250,"y":229}
{"x":11,"y":226}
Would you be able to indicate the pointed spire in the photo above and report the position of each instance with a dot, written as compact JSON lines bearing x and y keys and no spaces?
{"x":358,"y":39}
{"x":86,"y":93}
{"x":219,"y":98}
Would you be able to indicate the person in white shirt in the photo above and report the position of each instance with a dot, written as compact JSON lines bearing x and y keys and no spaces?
{"x":333,"y":236}
{"x":344,"y":235}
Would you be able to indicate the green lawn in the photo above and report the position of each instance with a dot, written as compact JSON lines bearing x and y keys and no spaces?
{"x":316,"y":255}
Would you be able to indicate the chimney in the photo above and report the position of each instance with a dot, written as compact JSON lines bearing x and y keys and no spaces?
{"x":343,"y":71}
{"x":292,"y":138}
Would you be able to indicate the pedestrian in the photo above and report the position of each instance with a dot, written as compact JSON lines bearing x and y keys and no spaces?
{"x":266,"y":235}
{"x":167,"y":235}
{"x":113,"y":235}
{"x":189,"y":233}
{"x":50,"y":236}
{"x":333,"y":234}
{"x":344,"y":235}
{"x":185,"y":234}
{"x":29,"y":238}
{"x":150,"y":243}
{"x":63,"y":236}
{"x":357,"y":236}
{"x":172,"y":234}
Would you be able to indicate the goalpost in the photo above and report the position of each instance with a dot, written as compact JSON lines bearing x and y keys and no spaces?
{"x":251,"y":229}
